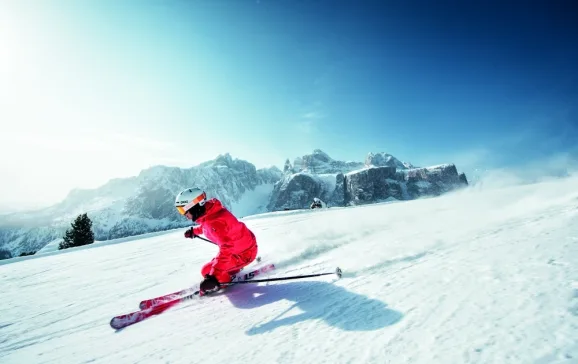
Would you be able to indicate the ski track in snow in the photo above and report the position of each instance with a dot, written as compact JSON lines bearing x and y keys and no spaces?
{"x":469,"y":277}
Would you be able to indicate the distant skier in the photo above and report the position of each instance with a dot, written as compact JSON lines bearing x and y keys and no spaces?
{"x":237,"y":244}
{"x":316,"y":204}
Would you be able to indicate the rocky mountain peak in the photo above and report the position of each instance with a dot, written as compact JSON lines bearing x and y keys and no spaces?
{"x":223,"y":160}
{"x":320,"y":162}
{"x":321,"y":155}
{"x":383,"y":159}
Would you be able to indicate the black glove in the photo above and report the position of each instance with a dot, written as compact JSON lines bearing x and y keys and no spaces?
{"x":210,"y":283}
{"x":190,"y":234}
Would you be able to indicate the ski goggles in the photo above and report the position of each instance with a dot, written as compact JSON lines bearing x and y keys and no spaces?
{"x":198,"y":200}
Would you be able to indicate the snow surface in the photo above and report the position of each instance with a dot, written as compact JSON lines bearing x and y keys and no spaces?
{"x":359,"y":170}
{"x":474,"y":276}
{"x":51,"y":246}
{"x":437,"y":166}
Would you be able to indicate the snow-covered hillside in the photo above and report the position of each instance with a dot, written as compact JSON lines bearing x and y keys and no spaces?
{"x":142,"y":204}
{"x":475,"y":276}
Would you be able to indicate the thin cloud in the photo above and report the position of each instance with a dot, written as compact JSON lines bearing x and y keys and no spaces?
{"x":308,"y":121}
{"x":306,"y":126}
{"x":314,"y":115}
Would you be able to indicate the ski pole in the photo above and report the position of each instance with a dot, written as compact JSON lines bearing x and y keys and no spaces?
{"x":207,"y":240}
{"x":337,"y":271}
{"x":200,"y":237}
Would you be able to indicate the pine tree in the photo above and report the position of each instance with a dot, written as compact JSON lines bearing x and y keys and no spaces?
{"x":79,"y":234}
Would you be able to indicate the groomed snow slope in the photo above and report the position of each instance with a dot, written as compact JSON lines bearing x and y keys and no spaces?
{"x":470,"y":277}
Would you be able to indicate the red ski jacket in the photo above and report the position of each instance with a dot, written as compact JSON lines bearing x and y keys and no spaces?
{"x":234,"y":239}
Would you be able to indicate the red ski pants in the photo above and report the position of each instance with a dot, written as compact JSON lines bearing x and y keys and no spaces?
{"x":224,"y":265}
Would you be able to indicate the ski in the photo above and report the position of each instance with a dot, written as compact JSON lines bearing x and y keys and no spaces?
{"x":122,"y":321}
{"x":143,"y":305}
{"x":187,"y":291}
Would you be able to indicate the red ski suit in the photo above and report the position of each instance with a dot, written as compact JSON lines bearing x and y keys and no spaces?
{"x":237,"y":244}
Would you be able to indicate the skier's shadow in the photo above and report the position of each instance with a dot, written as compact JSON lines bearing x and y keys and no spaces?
{"x":317,"y":301}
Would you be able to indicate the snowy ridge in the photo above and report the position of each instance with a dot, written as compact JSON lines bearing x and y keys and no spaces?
{"x":476,"y":276}
{"x":142,"y":204}
{"x":355,"y":171}
{"x":386,"y":159}
{"x":319,"y":162}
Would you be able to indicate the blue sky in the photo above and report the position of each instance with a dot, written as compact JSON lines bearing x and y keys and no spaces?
{"x":113,"y":87}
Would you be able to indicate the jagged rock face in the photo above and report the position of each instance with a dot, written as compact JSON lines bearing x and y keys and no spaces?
{"x":445,"y":173}
{"x":432,"y":181}
{"x":365,"y":186}
{"x":371,"y":185}
{"x":297,"y":191}
{"x":294,"y":192}
{"x":381,"y":183}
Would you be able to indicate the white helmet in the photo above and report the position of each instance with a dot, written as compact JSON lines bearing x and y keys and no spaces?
{"x":316,"y":199}
{"x":189,"y":198}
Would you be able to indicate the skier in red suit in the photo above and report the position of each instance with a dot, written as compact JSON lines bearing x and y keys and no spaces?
{"x":237,"y":244}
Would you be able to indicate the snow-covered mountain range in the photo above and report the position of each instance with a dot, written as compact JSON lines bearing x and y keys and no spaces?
{"x":141,"y":204}
{"x":144,"y":203}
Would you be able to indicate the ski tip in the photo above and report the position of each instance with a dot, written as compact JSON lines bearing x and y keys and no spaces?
{"x":338,"y":272}
{"x":115,"y":324}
